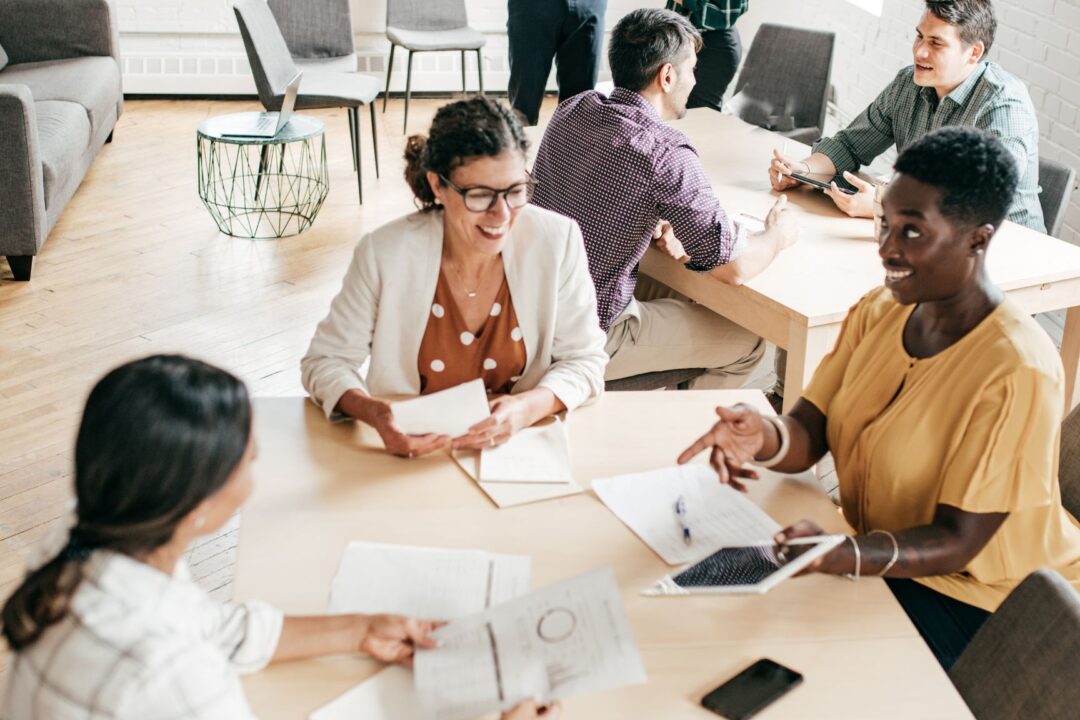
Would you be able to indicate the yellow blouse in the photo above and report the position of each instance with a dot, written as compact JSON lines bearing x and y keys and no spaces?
{"x":976,"y":426}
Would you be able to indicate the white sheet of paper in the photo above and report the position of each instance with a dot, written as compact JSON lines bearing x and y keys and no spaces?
{"x":717,"y":515}
{"x":448,"y":412}
{"x":389,"y":695}
{"x":539,"y":454}
{"x":430,"y":583}
{"x":751,"y":223}
{"x":567,"y":639}
{"x":505,"y":494}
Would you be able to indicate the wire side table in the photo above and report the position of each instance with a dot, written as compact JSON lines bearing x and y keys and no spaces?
{"x":262,"y":187}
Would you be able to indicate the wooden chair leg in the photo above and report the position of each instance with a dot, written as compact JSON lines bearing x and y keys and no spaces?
{"x":21,"y":265}
{"x":480,"y":71}
{"x":389,"y":69}
{"x":374,"y":138}
{"x":408,"y":91}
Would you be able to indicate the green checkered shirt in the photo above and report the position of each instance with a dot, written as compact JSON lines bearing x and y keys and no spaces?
{"x":990,"y":99}
{"x":710,"y":14}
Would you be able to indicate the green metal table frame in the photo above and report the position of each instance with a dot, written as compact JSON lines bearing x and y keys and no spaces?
{"x":262,"y":187}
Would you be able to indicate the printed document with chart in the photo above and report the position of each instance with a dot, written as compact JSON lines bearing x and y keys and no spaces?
{"x":567,"y":639}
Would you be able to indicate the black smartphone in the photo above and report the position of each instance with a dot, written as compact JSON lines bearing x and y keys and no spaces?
{"x":844,"y":186}
{"x":752,"y":690}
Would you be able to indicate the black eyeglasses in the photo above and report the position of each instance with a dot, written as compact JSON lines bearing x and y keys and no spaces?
{"x":480,"y":198}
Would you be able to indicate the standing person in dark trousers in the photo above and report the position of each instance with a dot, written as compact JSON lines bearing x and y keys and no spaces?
{"x":569,"y":31}
{"x":722,"y":50}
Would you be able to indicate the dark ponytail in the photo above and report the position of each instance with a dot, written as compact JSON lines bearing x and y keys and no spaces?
{"x":462,"y":130}
{"x":158,"y":436}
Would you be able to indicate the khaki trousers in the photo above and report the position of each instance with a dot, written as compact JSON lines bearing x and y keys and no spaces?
{"x":663,"y":330}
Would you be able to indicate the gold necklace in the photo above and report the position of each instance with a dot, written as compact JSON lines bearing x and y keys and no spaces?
{"x":480,"y":282}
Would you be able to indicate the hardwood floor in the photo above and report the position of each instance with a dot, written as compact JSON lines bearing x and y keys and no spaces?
{"x":135,"y":266}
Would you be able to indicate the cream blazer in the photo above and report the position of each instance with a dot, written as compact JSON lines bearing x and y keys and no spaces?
{"x":382,"y":311}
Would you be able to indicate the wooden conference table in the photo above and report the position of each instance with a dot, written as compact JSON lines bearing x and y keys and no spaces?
{"x":319,"y":485}
{"x":800,"y":300}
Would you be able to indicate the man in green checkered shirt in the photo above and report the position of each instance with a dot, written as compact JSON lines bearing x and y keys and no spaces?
{"x":721,"y":49}
{"x":950,"y":83}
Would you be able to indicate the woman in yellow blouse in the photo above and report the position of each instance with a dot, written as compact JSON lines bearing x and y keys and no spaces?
{"x":941,"y":405}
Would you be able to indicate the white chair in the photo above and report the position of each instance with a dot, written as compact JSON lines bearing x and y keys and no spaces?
{"x":430,"y":26}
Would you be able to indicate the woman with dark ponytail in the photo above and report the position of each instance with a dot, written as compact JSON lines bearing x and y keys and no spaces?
{"x":476,"y":284}
{"x":112,"y":626}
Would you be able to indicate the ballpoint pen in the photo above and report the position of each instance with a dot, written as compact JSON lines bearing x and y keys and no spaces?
{"x":680,"y":515}
{"x":783,"y":154}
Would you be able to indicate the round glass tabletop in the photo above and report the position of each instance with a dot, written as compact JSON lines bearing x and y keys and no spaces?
{"x":299,"y":127}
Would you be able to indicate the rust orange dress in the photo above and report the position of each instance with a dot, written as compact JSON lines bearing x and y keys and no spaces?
{"x":450,"y":354}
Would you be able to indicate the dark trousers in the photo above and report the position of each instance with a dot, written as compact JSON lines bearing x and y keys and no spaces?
{"x":716,"y":66}
{"x":569,"y":31}
{"x":947,"y":625}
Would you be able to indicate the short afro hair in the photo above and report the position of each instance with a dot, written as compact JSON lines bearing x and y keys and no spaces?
{"x":976,"y":174}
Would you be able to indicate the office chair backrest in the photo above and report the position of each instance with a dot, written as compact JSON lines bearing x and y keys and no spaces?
{"x":787,"y":73}
{"x":267,"y":53}
{"x":315,"y":28}
{"x":427,"y":14}
{"x":1057,"y":182}
{"x":1022,"y":662}
{"x":1069,"y":463}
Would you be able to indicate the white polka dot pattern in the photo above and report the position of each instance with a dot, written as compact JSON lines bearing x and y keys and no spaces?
{"x":496,"y":308}
{"x":616,"y":168}
{"x":489,"y":364}
{"x":515,"y":334}
{"x":438,"y":365}
{"x":467,"y":338}
{"x":438,"y":310}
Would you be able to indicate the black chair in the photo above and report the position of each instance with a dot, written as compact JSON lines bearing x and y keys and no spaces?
{"x":1022,"y":662}
{"x":784,"y":82}
{"x":679,"y":379}
{"x":1057,"y":181}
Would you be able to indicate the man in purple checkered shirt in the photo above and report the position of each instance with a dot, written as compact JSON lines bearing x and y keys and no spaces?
{"x":629,"y":179}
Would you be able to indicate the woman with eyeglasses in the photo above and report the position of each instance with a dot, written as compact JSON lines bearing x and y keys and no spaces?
{"x":476,"y":284}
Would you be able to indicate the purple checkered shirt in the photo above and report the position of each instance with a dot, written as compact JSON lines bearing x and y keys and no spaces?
{"x":615,"y":167}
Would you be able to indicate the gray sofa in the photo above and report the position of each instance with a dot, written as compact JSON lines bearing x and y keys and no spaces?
{"x":60,"y":97}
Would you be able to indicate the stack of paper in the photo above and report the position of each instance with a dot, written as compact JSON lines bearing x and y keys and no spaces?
{"x":567,"y":639}
{"x":717,"y":515}
{"x":448,"y":412}
{"x":532,"y":465}
{"x":429,"y":583}
{"x":539,"y":454}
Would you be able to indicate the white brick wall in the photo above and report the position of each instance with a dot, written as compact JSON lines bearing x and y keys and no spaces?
{"x":1037,"y":40}
{"x":192,"y":46}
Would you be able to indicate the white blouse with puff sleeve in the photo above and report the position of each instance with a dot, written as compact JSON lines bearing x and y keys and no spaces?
{"x":138,"y":644}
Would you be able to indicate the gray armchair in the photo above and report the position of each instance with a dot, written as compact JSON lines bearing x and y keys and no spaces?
{"x":60,"y":97}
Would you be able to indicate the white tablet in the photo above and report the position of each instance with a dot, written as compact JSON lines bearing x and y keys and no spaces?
{"x":746,"y":569}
